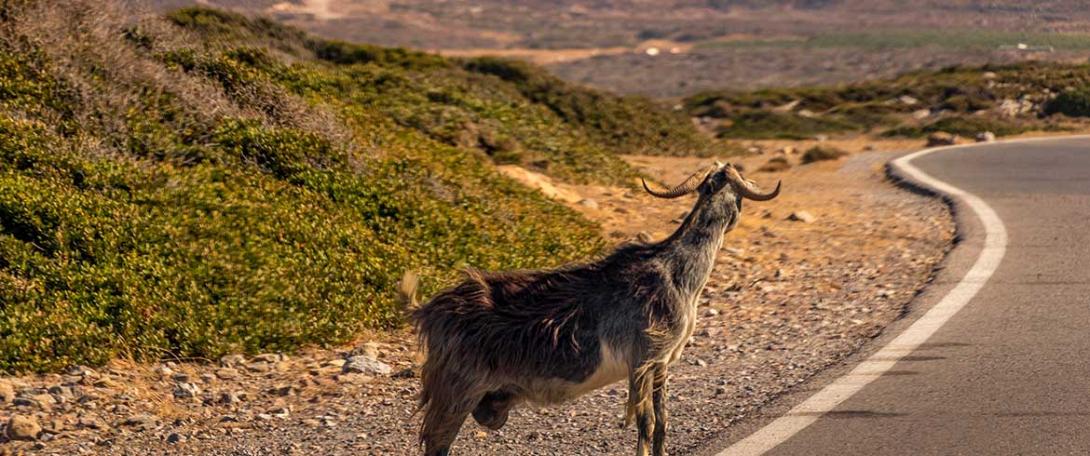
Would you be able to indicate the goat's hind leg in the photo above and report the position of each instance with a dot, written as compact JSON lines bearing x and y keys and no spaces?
{"x":658,"y":437}
{"x":640,"y":387}
{"x":493,"y":409}
{"x":449,"y":405}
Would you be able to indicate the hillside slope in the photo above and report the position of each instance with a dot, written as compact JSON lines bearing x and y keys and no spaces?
{"x":207,"y":183}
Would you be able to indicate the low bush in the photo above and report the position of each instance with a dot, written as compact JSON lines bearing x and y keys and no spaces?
{"x":1071,"y":103}
{"x":821,"y":153}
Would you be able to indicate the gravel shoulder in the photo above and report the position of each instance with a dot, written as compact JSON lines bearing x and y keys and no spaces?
{"x":788,"y":297}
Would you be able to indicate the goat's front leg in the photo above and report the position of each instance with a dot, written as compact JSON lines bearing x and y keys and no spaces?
{"x":661,"y":415}
{"x":640,"y":387}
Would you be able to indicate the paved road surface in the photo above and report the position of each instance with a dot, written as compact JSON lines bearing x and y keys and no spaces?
{"x":1010,"y":372}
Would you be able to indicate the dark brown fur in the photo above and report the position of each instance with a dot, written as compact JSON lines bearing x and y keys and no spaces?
{"x":498,"y":339}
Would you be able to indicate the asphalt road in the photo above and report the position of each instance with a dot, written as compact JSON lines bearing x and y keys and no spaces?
{"x":1009,"y":373}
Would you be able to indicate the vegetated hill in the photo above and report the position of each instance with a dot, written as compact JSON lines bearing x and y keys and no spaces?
{"x":1003,"y":99}
{"x":205,"y":183}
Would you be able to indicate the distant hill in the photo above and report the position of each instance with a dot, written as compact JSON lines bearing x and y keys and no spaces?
{"x":202,"y":182}
{"x":707,"y":44}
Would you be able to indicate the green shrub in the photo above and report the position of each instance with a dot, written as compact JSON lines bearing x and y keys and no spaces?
{"x":1071,"y":103}
{"x":821,"y":153}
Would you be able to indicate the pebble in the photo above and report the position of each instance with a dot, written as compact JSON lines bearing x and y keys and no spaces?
{"x":227,"y":373}
{"x":7,"y":392}
{"x":363,"y":364}
{"x":22,"y":427}
{"x":232,"y":360}
{"x":184,"y":390}
{"x":801,"y":216}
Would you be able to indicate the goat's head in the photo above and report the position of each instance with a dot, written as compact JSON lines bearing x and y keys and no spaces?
{"x":720,"y":182}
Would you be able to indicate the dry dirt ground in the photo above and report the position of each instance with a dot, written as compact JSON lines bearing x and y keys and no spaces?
{"x":787,"y":298}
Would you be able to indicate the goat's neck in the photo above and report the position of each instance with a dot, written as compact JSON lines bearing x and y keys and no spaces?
{"x":693,"y":247}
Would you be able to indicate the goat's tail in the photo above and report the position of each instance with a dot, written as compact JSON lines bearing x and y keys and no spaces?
{"x":407,"y":291}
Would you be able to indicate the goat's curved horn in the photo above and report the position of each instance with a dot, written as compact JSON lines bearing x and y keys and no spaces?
{"x":749,"y":190}
{"x":682,"y":189}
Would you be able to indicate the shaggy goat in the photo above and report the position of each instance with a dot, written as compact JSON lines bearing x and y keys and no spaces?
{"x":499,"y":339}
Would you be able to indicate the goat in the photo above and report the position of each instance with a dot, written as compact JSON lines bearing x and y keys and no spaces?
{"x":500,"y":339}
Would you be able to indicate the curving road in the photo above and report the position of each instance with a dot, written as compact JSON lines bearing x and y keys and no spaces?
{"x":994,"y":357}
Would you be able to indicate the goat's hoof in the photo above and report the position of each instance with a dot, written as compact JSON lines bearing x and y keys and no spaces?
{"x":490,"y":418}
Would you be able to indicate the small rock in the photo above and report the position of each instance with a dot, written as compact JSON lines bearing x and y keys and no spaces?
{"x":821,"y":138}
{"x":259,"y":367}
{"x":184,"y":390}
{"x":232,"y":360}
{"x":180,"y":377}
{"x":227,"y":373}
{"x":88,"y":422}
{"x":711,"y":312}
{"x":7,"y":392}
{"x":21,"y":427}
{"x":208,"y":378}
{"x":940,"y":138}
{"x":908,"y":100}
{"x":985,"y":136}
{"x":644,"y":237}
{"x":587,"y":202}
{"x":801,"y":216}
{"x":141,"y":422}
{"x":921,"y":114}
{"x":175,"y":437}
{"x":363,"y":364}
{"x":231,"y":397}
{"x":270,"y":358}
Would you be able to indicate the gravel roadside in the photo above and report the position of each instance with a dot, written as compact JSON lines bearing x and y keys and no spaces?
{"x":801,"y":283}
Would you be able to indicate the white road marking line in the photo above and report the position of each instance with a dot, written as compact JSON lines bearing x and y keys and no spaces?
{"x":995,"y":246}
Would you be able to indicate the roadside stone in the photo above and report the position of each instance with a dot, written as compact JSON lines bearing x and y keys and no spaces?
{"x":363,"y":364}
{"x":271,"y":358}
{"x":184,"y":390}
{"x":7,"y":392}
{"x":985,"y":136}
{"x":235,"y":360}
{"x":941,"y":138}
{"x":231,"y":397}
{"x":921,"y":114}
{"x":802,"y":216}
{"x":227,"y":373}
{"x":22,"y":427}
{"x":141,"y":422}
{"x":258,"y":367}
{"x":88,"y":422}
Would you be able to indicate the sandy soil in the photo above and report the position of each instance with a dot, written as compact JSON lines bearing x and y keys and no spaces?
{"x":787,"y":298}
